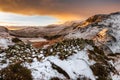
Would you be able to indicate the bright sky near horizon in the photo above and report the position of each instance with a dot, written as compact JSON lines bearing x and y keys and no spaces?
{"x":46,"y":12}
{"x":10,"y":19}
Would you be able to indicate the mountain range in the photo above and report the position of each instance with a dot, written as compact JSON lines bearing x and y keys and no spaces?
{"x":79,"y":50}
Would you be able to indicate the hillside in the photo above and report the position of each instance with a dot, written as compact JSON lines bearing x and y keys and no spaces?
{"x":87,"y":50}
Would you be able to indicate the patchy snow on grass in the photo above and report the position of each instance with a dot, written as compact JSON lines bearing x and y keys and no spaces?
{"x":88,"y":33}
{"x":42,"y":70}
{"x":3,"y":64}
{"x":5,"y":42}
{"x":75,"y":66}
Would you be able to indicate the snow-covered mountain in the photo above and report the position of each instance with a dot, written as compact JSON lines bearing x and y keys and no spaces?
{"x":103,"y":29}
{"x":87,"y":50}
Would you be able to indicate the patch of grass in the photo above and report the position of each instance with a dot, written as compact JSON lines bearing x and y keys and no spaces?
{"x":101,"y":71}
{"x":15,"y":72}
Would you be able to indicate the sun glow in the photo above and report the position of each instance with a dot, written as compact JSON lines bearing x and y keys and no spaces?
{"x":14,"y":28}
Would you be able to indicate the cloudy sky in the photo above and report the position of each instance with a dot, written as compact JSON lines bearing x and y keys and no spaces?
{"x":45,"y":12}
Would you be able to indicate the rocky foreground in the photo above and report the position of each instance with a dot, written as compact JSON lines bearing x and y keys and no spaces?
{"x":70,"y":59}
{"x":88,"y":50}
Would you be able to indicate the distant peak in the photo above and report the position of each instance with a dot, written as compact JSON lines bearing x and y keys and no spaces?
{"x":115,"y":13}
{"x":97,"y":18}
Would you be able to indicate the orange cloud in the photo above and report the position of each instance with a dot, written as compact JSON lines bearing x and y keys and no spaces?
{"x":62,"y":9}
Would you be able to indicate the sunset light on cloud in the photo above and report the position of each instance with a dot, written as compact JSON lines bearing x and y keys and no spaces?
{"x":46,"y":12}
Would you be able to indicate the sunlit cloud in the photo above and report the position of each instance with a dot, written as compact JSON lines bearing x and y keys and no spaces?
{"x":54,"y":11}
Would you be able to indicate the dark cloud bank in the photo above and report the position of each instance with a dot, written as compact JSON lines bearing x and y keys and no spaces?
{"x":62,"y":9}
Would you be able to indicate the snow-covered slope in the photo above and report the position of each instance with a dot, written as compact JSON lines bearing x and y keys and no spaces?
{"x":4,"y":43}
{"x":104,"y":29}
{"x":69,"y":59}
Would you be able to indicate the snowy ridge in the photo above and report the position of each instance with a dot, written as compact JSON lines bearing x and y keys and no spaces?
{"x":111,"y":23}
